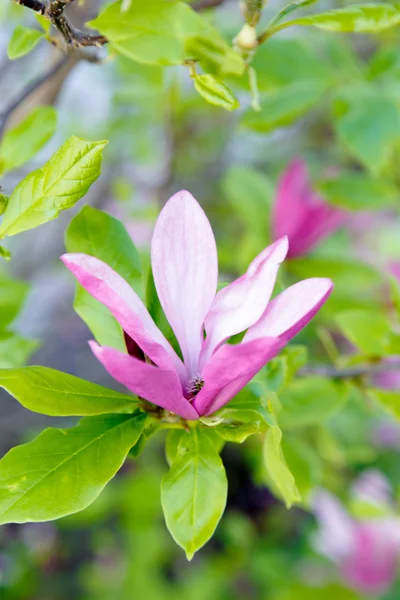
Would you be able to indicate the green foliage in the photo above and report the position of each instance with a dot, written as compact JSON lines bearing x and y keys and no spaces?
{"x":194,"y":491}
{"x":21,"y":143}
{"x":358,"y":191}
{"x":284,"y":106}
{"x":96,"y":233}
{"x":58,"y":394}
{"x":64,"y":470}
{"x":12,"y":297}
{"x":58,"y":185}
{"x":368,"y":330}
{"x":277,"y":470}
{"x":215,"y":92}
{"x":23,"y":41}
{"x":14,"y":350}
{"x":165,"y":33}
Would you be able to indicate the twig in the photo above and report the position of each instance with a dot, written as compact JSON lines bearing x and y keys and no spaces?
{"x":204,"y":4}
{"x":348,"y":373}
{"x":36,"y":83}
{"x":54,"y":12}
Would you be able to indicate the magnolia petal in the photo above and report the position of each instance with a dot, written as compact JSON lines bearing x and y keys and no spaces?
{"x":185,"y":270}
{"x":289,"y":205}
{"x":292,"y":310}
{"x":336,"y":536}
{"x":230,"y":368}
{"x":104,"y":284}
{"x":241,"y":304}
{"x":159,"y":386}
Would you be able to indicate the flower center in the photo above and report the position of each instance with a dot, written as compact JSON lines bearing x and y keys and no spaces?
{"x":194,"y":386}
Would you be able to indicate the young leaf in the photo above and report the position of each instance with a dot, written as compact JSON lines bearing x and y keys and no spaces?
{"x":23,"y":41}
{"x":363,"y":18}
{"x":277,"y":469}
{"x":58,"y":185}
{"x":215,"y":92}
{"x":4,"y":253}
{"x":358,"y":191}
{"x":12,"y":298}
{"x":194,"y":492}
{"x":282,"y":107}
{"x":14,"y":350}
{"x":162,"y":33}
{"x":21,"y":144}
{"x":58,"y":394}
{"x":98,"y":234}
{"x":64,"y":470}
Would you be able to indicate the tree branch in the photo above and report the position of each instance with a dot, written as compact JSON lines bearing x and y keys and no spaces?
{"x":36,"y":83}
{"x":348,"y":373}
{"x":54,"y":12}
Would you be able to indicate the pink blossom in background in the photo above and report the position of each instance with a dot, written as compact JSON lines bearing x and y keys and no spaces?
{"x":366,"y":552}
{"x":300,"y":213}
{"x":185,"y":269}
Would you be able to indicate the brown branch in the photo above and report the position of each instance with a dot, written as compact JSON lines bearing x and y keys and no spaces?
{"x":205,"y":4}
{"x":348,"y":373}
{"x":28,"y":90}
{"x":54,"y":12}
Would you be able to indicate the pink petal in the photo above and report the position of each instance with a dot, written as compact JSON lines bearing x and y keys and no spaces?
{"x":292,"y":310}
{"x":242,"y":303}
{"x":336,"y":536}
{"x":159,"y":386}
{"x":300,"y":213}
{"x":230,"y":369}
{"x":289,"y":202}
{"x":185,"y":269}
{"x":113,"y":291}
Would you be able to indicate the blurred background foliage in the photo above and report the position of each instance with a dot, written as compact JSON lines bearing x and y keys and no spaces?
{"x":331,"y":99}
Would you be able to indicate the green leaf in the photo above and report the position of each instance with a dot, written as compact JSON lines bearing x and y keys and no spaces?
{"x":172,"y":442}
{"x":14,"y":350}
{"x":370,"y":129}
{"x":4,"y":253}
{"x":44,"y":23}
{"x":368,"y":330}
{"x":12,"y":298}
{"x":58,"y":394}
{"x":277,"y":469}
{"x":23,"y":40}
{"x":239,"y":432}
{"x":215,"y":92}
{"x":162,"y":33}
{"x":21,"y":143}
{"x":64,"y":470}
{"x":194,"y":492}
{"x":58,"y":185}
{"x":3,"y":203}
{"x":310,"y":401}
{"x":357,"y":191}
{"x":304,"y":463}
{"x":98,"y":234}
{"x":390,"y":400}
{"x":363,"y":18}
{"x":284,"y":106}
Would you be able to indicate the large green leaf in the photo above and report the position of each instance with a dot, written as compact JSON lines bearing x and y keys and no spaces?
{"x":23,"y":40}
{"x":98,"y":234}
{"x":277,"y":469}
{"x":64,"y":470}
{"x":12,"y":297}
{"x":363,"y":18}
{"x":284,"y":106}
{"x":371,"y":129}
{"x":358,"y":191}
{"x":368,"y":330}
{"x":14,"y":350}
{"x":389,"y":398}
{"x":21,"y":143}
{"x":58,"y":185}
{"x":194,"y":492}
{"x":58,"y":394}
{"x":165,"y":33}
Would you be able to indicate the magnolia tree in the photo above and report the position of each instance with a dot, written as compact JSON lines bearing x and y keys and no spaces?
{"x":198,"y":360}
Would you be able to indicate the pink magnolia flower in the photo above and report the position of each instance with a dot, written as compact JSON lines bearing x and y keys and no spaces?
{"x":300,"y":213}
{"x":185,"y":269}
{"x":365,"y":551}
